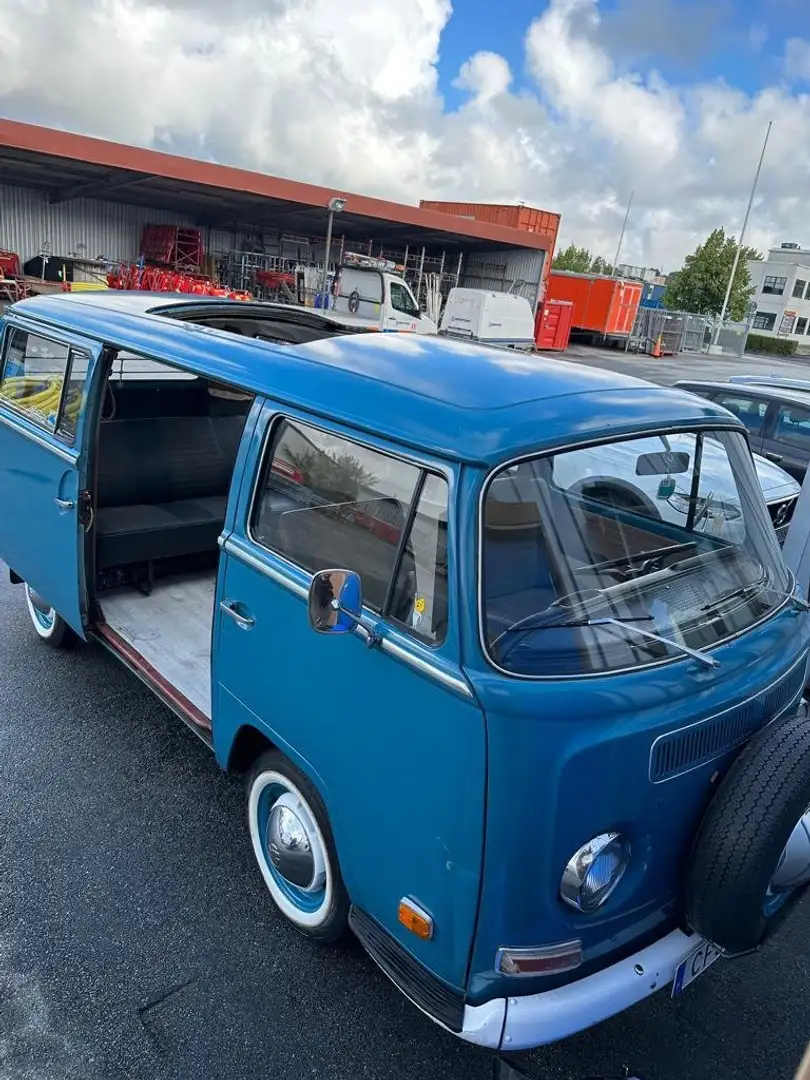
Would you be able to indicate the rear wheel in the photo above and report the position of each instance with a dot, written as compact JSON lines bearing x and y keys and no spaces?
{"x":50,"y":626}
{"x":293,"y":844}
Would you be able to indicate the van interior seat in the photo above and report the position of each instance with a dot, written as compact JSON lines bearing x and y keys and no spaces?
{"x":162,"y":486}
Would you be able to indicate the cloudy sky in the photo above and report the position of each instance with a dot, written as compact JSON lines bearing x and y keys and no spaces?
{"x":562,"y":104}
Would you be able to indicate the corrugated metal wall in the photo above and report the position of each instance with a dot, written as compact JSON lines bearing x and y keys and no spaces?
{"x":500,"y":270}
{"x":87,"y":228}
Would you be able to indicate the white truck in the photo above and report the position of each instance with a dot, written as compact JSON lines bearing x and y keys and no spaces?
{"x":368,"y":296}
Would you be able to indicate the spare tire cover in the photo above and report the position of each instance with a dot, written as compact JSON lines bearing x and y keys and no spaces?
{"x":744,"y":833}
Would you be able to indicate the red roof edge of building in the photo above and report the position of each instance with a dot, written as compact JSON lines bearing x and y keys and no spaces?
{"x":84,"y":148}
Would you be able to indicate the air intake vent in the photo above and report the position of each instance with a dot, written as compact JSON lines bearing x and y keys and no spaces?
{"x":698,"y":744}
{"x":780,"y":696}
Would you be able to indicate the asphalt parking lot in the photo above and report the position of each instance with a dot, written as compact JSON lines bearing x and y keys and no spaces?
{"x":137,"y":940}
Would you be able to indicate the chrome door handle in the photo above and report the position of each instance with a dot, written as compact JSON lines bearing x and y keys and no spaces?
{"x":65,"y":504}
{"x":244,"y":622}
{"x":771,"y":456}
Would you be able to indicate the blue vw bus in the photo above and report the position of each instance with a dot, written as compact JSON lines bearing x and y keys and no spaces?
{"x":505,"y":647}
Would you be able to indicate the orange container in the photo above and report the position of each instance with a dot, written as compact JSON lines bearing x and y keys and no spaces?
{"x":603,"y":305}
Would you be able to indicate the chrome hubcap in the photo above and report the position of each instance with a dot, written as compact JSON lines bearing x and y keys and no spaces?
{"x":293,"y":846}
{"x":794,"y":865}
{"x":41,"y":611}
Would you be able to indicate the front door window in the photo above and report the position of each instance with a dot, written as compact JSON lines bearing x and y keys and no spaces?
{"x":402,"y":301}
{"x":326,"y":502}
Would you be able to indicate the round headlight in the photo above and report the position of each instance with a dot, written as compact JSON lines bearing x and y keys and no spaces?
{"x":594,"y":871}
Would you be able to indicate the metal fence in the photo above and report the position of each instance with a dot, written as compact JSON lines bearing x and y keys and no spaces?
{"x":678,"y":331}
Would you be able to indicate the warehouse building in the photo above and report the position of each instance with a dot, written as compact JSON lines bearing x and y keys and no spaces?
{"x":72,"y":208}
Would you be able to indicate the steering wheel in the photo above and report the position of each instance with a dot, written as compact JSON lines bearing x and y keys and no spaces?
{"x":703,"y":512}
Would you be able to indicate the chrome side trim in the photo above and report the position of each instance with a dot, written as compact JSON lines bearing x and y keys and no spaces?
{"x":238,"y":552}
{"x":388,"y":645}
{"x":40,"y":440}
{"x":419,"y":663}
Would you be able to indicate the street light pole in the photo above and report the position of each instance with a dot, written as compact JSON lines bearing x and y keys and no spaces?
{"x":735,"y":264}
{"x":335,"y":206}
{"x":621,"y":235}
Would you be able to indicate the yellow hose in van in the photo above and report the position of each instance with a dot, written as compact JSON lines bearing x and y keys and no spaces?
{"x":41,"y":396}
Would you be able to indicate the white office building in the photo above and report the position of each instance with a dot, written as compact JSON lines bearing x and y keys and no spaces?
{"x":782,"y":294}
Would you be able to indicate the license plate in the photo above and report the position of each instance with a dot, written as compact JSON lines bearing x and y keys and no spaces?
{"x":698,"y":961}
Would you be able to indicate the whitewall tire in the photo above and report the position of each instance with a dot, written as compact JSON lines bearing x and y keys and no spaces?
{"x":50,"y":626}
{"x":293,"y":845}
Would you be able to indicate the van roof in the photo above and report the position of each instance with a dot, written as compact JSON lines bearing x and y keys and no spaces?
{"x":446,"y":397}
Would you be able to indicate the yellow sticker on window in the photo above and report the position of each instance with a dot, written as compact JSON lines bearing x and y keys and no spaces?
{"x":419,"y":605}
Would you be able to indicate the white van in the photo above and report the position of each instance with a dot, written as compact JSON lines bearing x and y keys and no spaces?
{"x":493,"y":318}
{"x":379,"y":298}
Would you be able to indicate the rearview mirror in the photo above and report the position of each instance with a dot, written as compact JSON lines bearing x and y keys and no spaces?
{"x":662,"y":464}
{"x":335,"y":601}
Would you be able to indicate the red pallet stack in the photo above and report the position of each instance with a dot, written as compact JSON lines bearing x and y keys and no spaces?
{"x":173,"y":245}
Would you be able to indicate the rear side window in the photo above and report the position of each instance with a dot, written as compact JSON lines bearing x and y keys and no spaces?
{"x":325,"y":502}
{"x":793,"y":427}
{"x":749,"y":410}
{"x":43,"y":380}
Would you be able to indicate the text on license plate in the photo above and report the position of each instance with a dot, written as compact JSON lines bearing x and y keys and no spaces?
{"x":698,"y":960}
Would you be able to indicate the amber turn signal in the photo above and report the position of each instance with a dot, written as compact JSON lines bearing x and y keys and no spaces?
{"x":415,"y":919}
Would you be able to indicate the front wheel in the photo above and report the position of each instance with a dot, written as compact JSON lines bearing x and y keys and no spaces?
{"x":50,"y":626}
{"x":293,"y":844}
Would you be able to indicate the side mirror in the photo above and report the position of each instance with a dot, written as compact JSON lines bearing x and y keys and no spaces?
{"x":335,"y":601}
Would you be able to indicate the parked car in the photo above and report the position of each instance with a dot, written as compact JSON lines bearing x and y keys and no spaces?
{"x":777,"y":418}
{"x":538,"y":744}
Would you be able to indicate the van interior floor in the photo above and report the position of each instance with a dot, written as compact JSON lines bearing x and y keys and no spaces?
{"x":171,"y":629}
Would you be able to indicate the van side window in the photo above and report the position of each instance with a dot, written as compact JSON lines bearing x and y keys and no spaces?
{"x":33,"y":376}
{"x":419,"y":598}
{"x":73,"y":396}
{"x":327,"y":502}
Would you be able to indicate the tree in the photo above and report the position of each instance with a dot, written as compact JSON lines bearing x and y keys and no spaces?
{"x":580,"y":261}
{"x":701,"y":284}
{"x":573,"y":258}
{"x":600,"y":266}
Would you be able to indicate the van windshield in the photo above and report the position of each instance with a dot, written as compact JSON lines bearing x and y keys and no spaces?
{"x":622,"y":554}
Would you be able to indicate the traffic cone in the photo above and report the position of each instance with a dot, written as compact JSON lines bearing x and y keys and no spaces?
{"x":656,"y":349}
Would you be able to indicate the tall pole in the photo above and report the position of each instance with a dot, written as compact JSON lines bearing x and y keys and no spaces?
{"x":326,"y":257}
{"x":727,"y":297}
{"x":621,"y":235}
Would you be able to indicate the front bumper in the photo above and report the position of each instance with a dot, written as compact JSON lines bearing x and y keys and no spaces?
{"x":519,"y":1023}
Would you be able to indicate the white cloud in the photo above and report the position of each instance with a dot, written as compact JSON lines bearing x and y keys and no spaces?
{"x":486,"y":75}
{"x":797,"y":59}
{"x":347,"y":95}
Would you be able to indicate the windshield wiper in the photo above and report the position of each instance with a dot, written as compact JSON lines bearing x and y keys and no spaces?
{"x":743,"y":591}
{"x":622,"y":624}
{"x":654,"y":555}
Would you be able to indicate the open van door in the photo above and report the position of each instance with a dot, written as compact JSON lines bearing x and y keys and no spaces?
{"x":46,"y":379}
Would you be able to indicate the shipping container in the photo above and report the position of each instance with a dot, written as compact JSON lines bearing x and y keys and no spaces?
{"x":552,"y":325}
{"x":602,"y":305}
{"x":524,"y":218}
